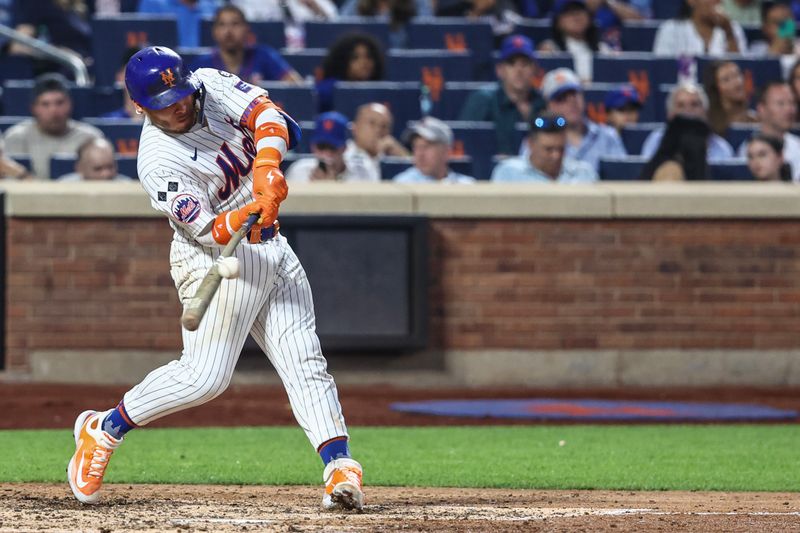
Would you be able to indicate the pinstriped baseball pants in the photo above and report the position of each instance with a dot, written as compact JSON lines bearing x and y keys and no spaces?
{"x":271,"y":300}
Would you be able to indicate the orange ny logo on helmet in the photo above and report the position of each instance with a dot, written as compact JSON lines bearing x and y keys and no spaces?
{"x":168,"y":77}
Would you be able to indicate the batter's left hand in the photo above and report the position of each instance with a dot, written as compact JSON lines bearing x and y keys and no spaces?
{"x":269,"y":183}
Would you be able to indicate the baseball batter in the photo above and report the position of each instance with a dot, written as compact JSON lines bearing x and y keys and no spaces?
{"x":209,"y":157}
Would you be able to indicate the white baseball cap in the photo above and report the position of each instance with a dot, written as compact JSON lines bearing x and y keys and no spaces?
{"x":559,"y":81}
{"x":433,"y":130}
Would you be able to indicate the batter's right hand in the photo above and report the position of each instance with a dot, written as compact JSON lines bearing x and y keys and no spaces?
{"x":267,"y":210}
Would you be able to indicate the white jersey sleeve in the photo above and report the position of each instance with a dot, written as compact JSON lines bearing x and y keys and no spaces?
{"x":236,"y":96}
{"x":182,"y":199}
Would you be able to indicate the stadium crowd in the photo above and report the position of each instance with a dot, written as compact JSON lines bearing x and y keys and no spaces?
{"x":449,"y":91}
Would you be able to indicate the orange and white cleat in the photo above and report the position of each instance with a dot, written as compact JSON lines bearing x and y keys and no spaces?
{"x":342,"y":479}
{"x":93,"y":449}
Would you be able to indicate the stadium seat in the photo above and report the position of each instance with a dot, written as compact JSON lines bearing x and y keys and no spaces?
{"x":666,"y":9}
{"x":123,"y":133}
{"x":323,"y":34}
{"x":86,"y":101}
{"x":111,"y":36}
{"x":621,"y":168}
{"x":456,"y":34}
{"x":23,"y":160}
{"x":401,"y":97}
{"x":298,"y":100}
{"x":392,"y":166}
{"x":640,"y":36}
{"x":629,"y":168}
{"x":15,"y":68}
{"x":634,"y":136}
{"x":734,"y":170}
{"x":64,"y":164}
{"x":537,"y":30}
{"x":476,"y":140}
{"x":269,"y":32}
{"x":455,"y":95}
{"x":739,"y":133}
{"x":432,"y":67}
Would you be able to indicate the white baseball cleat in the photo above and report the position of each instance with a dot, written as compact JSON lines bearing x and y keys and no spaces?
{"x":342,"y":479}
{"x":93,"y":449}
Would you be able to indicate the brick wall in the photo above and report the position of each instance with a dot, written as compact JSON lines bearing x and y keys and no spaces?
{"x":618,"y":284}
{"x":528,"y":284}
{"x":89,"y":283}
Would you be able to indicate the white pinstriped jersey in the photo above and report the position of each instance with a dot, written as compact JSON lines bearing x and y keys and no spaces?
{"x":193,"y":176}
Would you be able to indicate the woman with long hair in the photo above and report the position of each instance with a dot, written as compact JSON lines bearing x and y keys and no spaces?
{"x":724,"y":84}
{"x":355,"y":56}
{"x":765,"y":159}
{"x":702,"y":28}
{"x":573,"y":30}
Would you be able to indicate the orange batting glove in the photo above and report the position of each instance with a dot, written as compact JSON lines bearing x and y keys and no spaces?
{"x":268,"y":180}
{"x":229,"y":222}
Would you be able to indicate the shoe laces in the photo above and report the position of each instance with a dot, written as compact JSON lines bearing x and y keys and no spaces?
{"x":351,"y":475}
{"x":97,"y":466}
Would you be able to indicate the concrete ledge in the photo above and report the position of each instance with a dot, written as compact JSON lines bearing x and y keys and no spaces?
{"x":348,"y":198}
{"x":705,"y":200}
{"x":490,"y":200}
{"x":485,"y":368}
{"x":106,"y":367}
{"x":483,"y":200}
{"x":609,"y":368}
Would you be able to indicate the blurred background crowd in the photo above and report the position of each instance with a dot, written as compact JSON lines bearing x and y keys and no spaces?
{"x":449,"y":91}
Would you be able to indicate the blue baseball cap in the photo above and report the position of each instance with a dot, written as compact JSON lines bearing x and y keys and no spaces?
{"x":623,"y":96}
{"x":330,"y":128}
{"x":517,"y":45}
{"x":561,"y":5}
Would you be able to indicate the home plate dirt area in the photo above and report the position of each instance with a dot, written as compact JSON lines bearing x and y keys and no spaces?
{"x":40,"y":507}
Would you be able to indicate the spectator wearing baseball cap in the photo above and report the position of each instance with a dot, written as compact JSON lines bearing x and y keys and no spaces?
{"x":513,"y":99}
{"x":623,"y":105}
{"x":586,"y":140}
{"x":546,"y":160}
{"x":328,"y":144}
{"x":431,"y":140}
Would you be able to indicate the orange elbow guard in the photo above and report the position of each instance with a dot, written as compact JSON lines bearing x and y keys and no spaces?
{"x":272,"y":129}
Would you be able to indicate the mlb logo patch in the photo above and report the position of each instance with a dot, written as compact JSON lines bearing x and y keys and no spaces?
{"x":243,"y":86}
{"x":185,"y":208}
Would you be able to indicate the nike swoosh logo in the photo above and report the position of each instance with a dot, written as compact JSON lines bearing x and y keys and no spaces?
{"x":194,"y":157}
{"x":79,"y":474}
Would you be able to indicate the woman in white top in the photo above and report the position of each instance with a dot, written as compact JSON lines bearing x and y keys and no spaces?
{"x":574,"y":31}
{"x":702,"y":28}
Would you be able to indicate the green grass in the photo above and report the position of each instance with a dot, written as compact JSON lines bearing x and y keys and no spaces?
{"x":733,"y":457}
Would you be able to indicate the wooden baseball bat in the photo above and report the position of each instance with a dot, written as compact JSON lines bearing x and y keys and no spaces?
{"x":196,"y":308}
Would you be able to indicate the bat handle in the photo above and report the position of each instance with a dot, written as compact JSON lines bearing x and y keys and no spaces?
{"x":197,"y":306}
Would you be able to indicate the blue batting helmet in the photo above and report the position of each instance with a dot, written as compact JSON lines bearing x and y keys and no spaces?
{"x":156,"y":77}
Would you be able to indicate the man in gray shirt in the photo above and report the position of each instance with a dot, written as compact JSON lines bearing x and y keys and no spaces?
{"x":51,"y":130}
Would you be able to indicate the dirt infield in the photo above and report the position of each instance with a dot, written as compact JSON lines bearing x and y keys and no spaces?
{"x":33,"y":507}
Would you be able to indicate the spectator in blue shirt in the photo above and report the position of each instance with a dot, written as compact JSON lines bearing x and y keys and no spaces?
{"x":689,"y":99}
{"x":546,"y":160}
{"x":188,"y":13}
{"x":586,"y":140}
{"x":253,"y":64}
{"x":431,"y":140}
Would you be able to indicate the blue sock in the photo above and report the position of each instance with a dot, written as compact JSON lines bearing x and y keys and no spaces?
{"x":117,"y":422}
{"x":334,"y":449}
